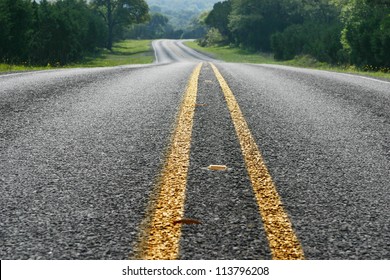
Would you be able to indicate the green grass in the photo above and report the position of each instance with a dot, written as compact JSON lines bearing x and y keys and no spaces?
{"x":231,"y":54}
{"x":15,"y":68}
{"x":123,"y":53}
{"x":309,"y":62}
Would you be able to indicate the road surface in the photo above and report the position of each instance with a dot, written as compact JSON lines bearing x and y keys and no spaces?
{"x":84,"y":154}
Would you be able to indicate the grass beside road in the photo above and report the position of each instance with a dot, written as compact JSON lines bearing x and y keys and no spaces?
{"x":16,"y":68}
{"x":231,"y":54}
{"x":123,"y":53}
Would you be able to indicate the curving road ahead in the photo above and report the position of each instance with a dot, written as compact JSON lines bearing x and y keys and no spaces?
{"x":171,"y":51}
{"x":82,"y":152}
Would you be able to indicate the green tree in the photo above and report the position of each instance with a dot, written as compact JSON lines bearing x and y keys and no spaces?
{"x":157,"y":27}
{"x":15,"y":21}
{"x":318,"y":33}
{"x":321,"y":41}
{"x":366,"y":33}
{"x":252,"y":22}
{"x":197,"y":28}
{"x":64,"y":31}
{"x":55,"y":32}
{"x":119,"y":13}
{"x":219,"y":18}
{"x":212,"y":38}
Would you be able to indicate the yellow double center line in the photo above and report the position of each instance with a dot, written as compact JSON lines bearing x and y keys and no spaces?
{"x":162,"y":233}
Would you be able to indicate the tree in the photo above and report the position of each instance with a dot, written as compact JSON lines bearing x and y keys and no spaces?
{"x":366,"y":33}
{"x":219,"y":18}
{"x":156,"y":28}
{"x":317,"y":34}
{"x":15,"y":21}
{"x":63,"y":32}
{"x":252,"y":22}
{"x":48,"y":32}
{"x":119,"y":13}
{"x":197,"y":27}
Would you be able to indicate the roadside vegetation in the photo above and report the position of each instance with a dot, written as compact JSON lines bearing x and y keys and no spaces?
{"x":238,"y":55}
{"x":175,"y":19}
{"x":345,"y":35}
{"x":123,"y":53}
{"x":232,"y":54}
{"x":341,"y":35}
{"x":42,"y":34}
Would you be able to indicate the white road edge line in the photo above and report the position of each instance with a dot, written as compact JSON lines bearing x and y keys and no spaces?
{"x":327,"y":71}
{"x":155,"y":52}
{"x":363,"y":77}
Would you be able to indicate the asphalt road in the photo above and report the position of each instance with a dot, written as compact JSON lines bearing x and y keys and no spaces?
{"x":81,"y":151}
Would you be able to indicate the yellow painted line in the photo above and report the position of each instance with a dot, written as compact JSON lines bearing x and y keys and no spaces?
{"x":282,"y":239}
{"x":161,"y":235}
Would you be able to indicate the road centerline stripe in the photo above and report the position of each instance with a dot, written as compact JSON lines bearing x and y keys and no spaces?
{"x":282,"y":239}
{"x":161,"y":236}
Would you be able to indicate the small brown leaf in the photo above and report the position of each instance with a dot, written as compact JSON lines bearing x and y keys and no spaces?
{"x":217,"y":167}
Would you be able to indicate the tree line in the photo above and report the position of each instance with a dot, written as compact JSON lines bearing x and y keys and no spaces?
{"x":159,"y":26}
{"x":335,"y":31}
{"x":62,"y":31}
{"x":181,"y":12}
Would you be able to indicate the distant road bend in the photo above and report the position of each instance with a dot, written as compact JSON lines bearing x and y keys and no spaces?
{"x":194,"y":158}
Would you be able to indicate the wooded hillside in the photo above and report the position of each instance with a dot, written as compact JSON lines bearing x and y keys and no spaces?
{"x":335,"y":31}
{"x":180,"y":12}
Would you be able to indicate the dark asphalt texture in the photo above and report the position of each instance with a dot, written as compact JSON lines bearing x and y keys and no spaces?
{"x":81,"y":150}
{"x":325,"y":138}
{"x":222,"y":200}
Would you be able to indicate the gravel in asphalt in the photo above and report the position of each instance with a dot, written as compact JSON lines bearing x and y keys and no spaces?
{"x":81,"y":151}
{"x":223,"y":201}
{"x":324,"y":137}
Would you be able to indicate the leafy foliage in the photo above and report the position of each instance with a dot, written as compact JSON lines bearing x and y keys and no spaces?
{"x":172,"y":24}
{"x":319,"y":40}
{"x":318,"y":34}
{"x":49,"y":32}
{"x":333,"y":31}
{"x":212,"y":38}
{"x":252,"y":22}
{"x":366,"y":33}
{"x":119,"y":13}
{"x":59,"y":32}
{"x":217,"y":19}
{"x":157,"y":27}
{"x":181,"y":12}
{"x":15,"y":19}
